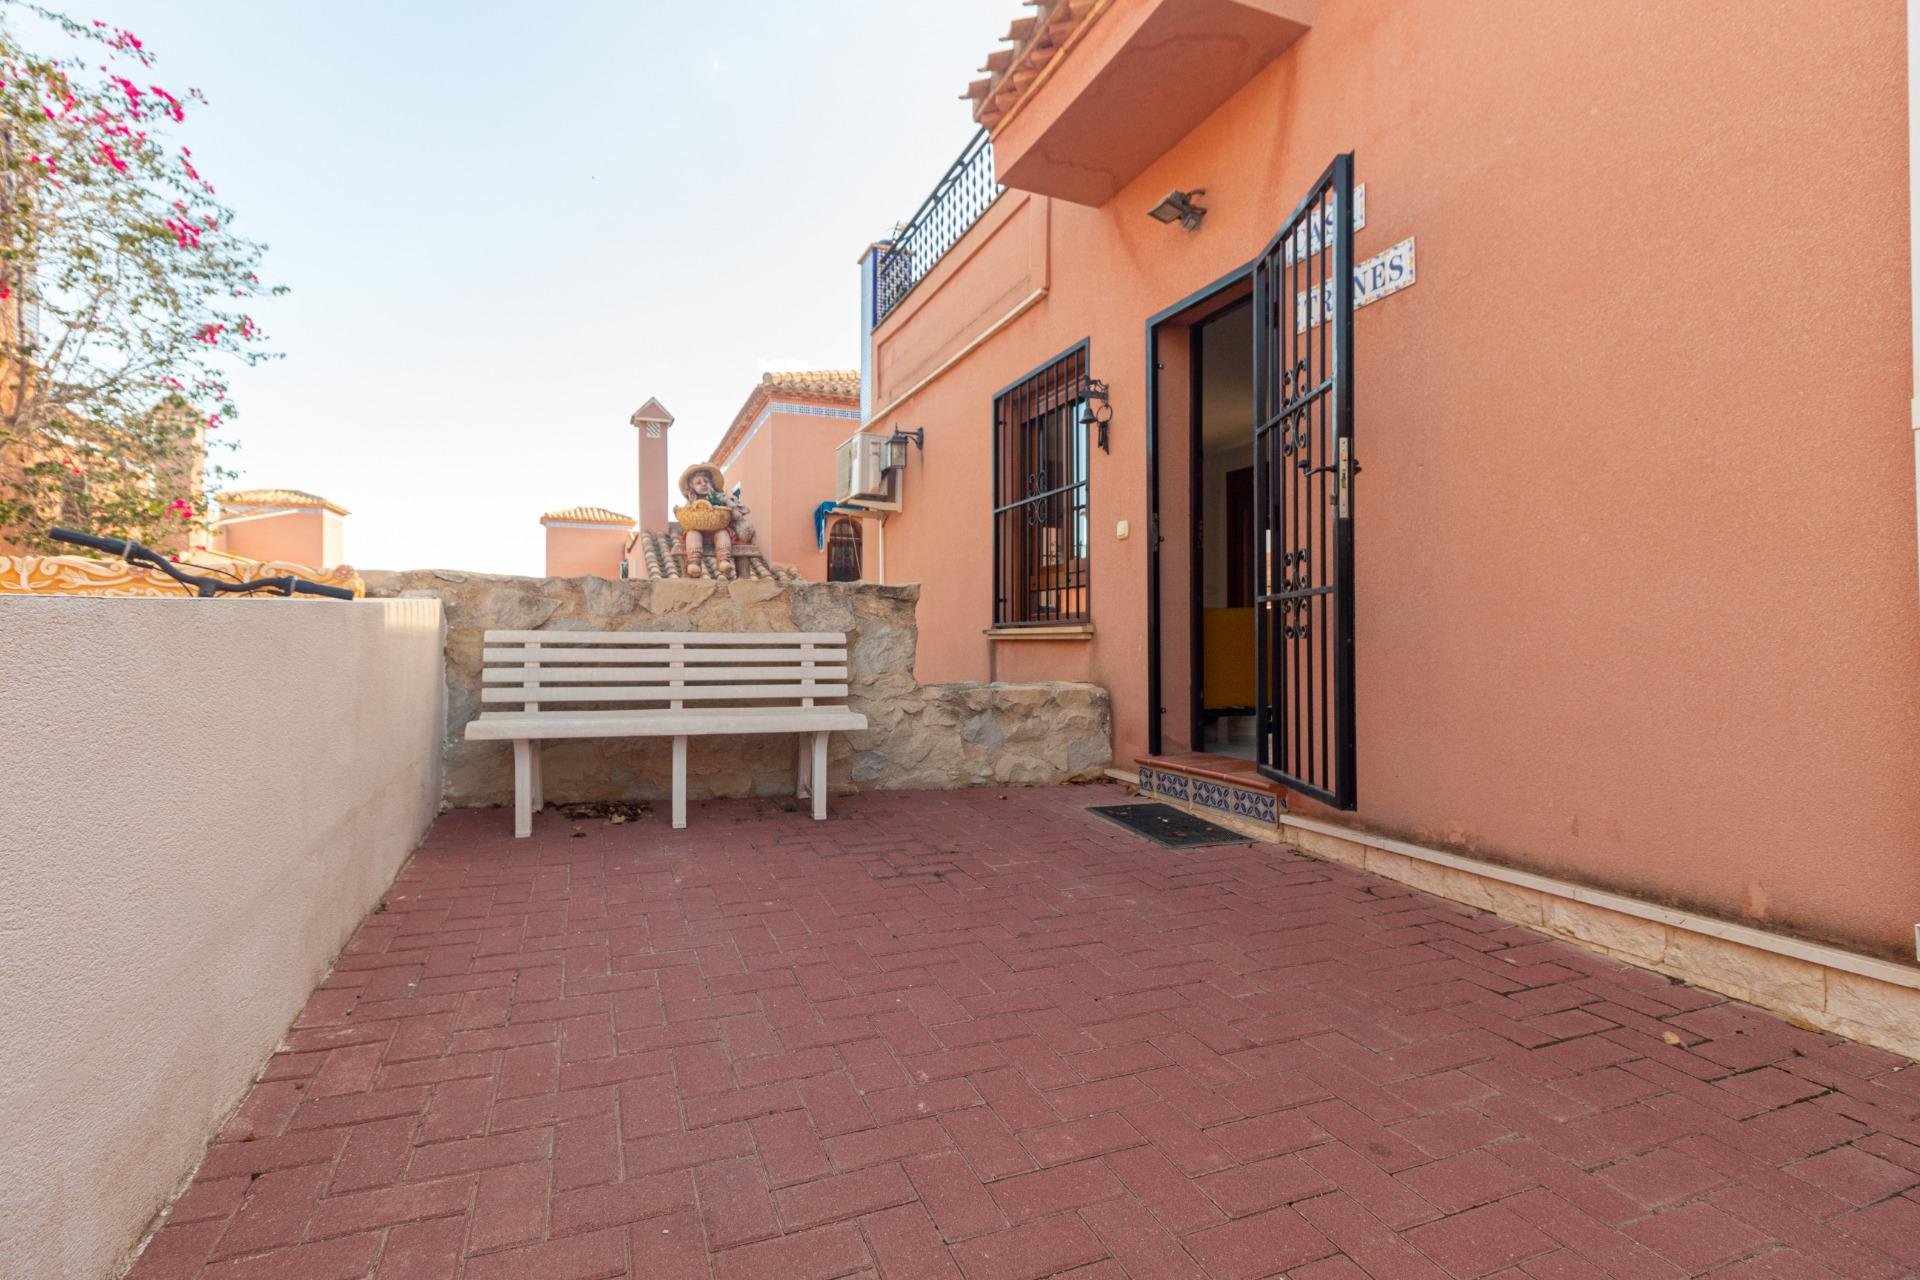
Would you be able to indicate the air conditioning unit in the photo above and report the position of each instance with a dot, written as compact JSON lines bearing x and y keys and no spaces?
{"x":860,"y":472}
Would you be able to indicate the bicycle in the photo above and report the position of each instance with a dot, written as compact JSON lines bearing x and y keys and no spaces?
{"x":204,"y":587}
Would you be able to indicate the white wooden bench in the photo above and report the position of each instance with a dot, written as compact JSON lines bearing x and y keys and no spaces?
{"x":577,"y":684}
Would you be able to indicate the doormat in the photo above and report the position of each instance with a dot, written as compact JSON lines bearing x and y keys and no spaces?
{"x":1165,"y":825}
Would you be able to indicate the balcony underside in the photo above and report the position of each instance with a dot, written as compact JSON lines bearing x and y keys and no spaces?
{"x":1138,"y":80}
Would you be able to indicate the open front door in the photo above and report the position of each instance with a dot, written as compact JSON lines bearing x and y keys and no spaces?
{"x":1303,"y":494}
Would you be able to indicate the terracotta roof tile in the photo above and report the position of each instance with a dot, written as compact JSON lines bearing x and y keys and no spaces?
{"x":830,"y":384}
{"x":1030,"y":45}
{"x":276,"y":498}
{"x":658,"y":552}
{"x":588,"y":515}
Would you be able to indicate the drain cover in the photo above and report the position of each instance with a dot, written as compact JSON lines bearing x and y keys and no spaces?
{"x":1166,"y":825}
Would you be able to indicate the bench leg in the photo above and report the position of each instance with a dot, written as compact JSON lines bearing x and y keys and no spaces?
{"x":522,"y":787}
{"x":679,"y":782}
{"x":539,"y":785}
{"x":800,"y":772}
{"x":820,"y":777}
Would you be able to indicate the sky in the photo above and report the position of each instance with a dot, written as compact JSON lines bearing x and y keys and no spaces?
{"x":505,"y":226}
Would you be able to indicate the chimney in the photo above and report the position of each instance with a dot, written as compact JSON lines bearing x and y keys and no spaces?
{"x":652,"y":420}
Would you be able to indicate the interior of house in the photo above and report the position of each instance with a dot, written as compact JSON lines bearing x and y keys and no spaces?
{"x":1223,"y":360}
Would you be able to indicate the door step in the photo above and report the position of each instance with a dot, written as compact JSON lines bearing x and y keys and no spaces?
{"x":1222,"y":789}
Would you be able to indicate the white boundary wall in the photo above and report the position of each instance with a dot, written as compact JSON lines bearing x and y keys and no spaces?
{"x":199,"y":801}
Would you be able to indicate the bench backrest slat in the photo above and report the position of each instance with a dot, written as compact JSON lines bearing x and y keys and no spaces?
{"x":567,"y":672}
{"x":652,"y":655}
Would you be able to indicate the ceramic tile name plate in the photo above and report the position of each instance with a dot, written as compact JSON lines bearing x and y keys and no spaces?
{"x":1385,"y":273}
{"x":1314,"y":234}
{"x":1204,"y":793}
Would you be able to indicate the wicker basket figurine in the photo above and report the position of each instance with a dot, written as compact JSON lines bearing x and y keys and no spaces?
{"x":710,"y":512}
{"x":701,"y":518}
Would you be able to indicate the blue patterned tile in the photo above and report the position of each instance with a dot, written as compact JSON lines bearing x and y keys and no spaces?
{"x":1214,"y":795}
{"x":1171,"y":785}
{"x":1146,"y":779}
{"x":1257,"y":805}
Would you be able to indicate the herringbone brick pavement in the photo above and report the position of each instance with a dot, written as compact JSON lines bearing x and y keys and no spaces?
{"x":984,"y":1034}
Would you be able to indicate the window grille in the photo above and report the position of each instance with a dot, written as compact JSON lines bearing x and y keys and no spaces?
{"x":1040,"y":496}
{"x":843,"y":551}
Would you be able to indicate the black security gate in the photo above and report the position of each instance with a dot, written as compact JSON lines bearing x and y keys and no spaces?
{"x":1303,"y":494}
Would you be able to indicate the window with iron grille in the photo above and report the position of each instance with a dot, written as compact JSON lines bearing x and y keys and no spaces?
{"x":1040,"y":530}
{"x":843,"y":551}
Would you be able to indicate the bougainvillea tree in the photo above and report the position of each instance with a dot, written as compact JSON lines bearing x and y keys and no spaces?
{"x":124,"y":291}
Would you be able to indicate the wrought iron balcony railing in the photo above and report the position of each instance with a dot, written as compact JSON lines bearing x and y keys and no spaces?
{"x":957,"y":202}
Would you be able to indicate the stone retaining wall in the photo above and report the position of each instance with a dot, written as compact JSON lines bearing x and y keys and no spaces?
{"x":934,"y":735}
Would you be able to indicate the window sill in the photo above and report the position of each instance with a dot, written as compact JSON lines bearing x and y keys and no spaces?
{"x":1063,"y":631}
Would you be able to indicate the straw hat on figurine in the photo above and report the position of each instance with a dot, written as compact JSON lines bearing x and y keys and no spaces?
{"x":717,"y":481}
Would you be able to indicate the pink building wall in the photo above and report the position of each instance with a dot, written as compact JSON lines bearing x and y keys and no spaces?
{"x":307,"y":534}
{"x":585,"y":542}
{"x":785,"y":469}
{"x":1636,"y":527}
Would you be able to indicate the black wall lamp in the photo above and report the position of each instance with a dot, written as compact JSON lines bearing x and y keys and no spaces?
{"x":897,"y":446}
{"x":1100,"y":417}
{"x":1178,"y":206}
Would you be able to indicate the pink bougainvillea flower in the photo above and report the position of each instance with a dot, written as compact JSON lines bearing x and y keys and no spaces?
{"x":132,"y":91}
{"x":211,"y":331}
{"x":213,"y":421}
{"x":6,"y":291}
{"x":174,"y":108}
{"x":173,"y":382}
{"x":112,"y":157}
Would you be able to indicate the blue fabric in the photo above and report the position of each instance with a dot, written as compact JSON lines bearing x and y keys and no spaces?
{"x":820,"y":514}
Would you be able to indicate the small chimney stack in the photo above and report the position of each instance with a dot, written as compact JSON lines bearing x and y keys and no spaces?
{"x":651,"y":420}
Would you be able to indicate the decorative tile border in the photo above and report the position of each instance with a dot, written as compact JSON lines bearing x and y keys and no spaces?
{"x":1204,"y":793}
{"x":1173,"y":786}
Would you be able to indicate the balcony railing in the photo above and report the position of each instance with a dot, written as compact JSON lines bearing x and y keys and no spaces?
{"x":957,"y":202}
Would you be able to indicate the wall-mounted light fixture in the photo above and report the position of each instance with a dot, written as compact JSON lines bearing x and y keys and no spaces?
{"x":1178,"y":206}
{"x":1097,"y":418}
{"x":897,"y":446}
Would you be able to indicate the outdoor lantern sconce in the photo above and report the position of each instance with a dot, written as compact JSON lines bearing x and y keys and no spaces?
{"x":1178,"y":206}
{"x":1100,"y":417}
{"x":897,"y":446}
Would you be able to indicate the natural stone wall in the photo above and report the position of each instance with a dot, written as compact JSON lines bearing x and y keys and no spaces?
{"x":935,"y":735}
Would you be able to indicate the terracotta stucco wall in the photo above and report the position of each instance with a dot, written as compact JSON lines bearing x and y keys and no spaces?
{"x":573,"y":550}
{"x":204,"y":797}
{"x":307,"y":536}
{"x":1636,"y":579}
{"x":786,"y":470}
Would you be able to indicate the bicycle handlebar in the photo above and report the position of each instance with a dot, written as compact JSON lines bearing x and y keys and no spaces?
{"x":112,"y":546}
{"x":134,"y":553}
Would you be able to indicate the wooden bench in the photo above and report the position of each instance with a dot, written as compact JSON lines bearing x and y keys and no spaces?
{"x":578,"y":684}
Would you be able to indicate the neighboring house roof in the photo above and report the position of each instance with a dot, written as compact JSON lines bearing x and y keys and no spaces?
{"x":277,"y":498}
{"x":588,"y":515}
{"x":1032,"y":43}
{"x":833,"y":386}
{"x":656,"y":561}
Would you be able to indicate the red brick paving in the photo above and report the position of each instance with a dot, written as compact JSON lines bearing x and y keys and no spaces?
{"x":984,"y":1035}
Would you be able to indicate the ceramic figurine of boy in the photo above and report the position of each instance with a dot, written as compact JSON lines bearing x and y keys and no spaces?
{"x":702,"y":485}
